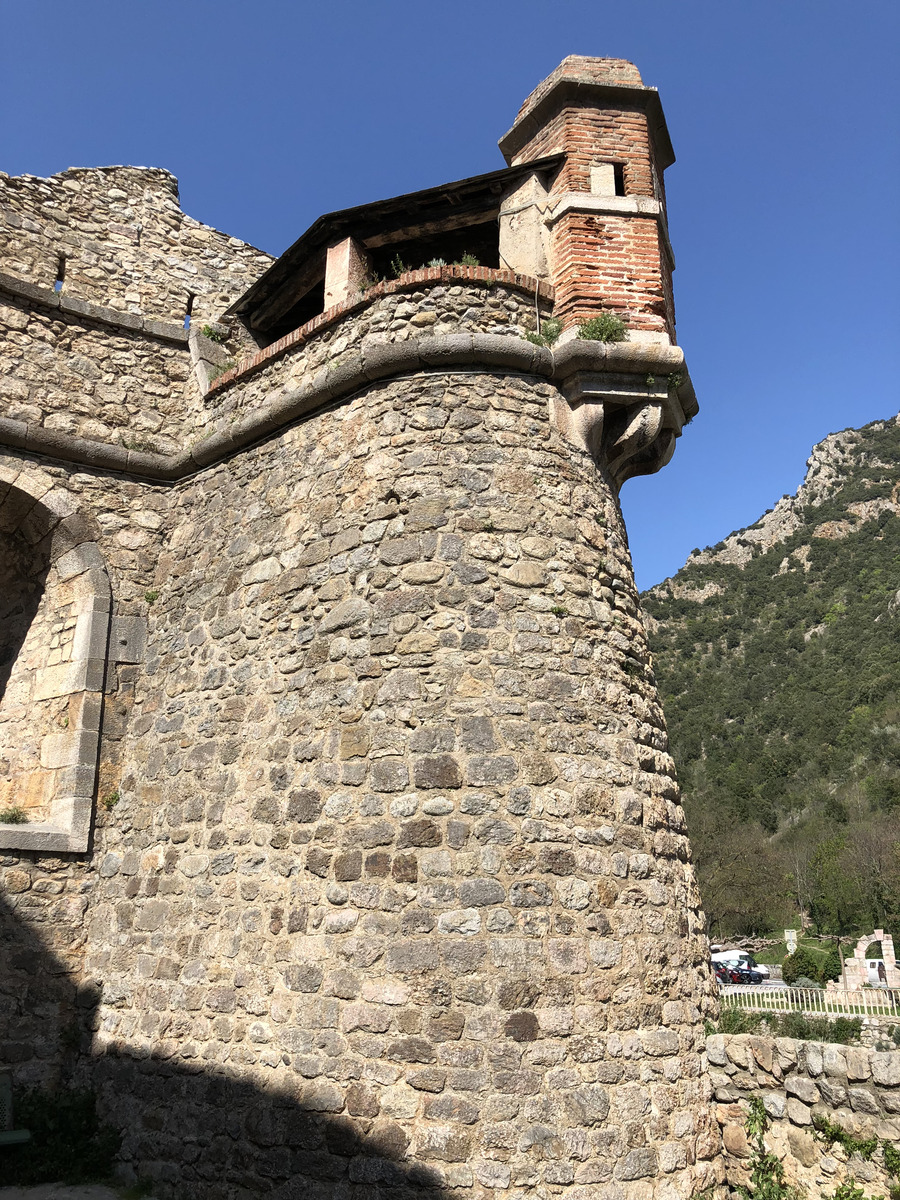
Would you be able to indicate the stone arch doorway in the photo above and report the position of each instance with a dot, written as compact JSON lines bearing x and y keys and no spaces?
{"x":54,"y":630}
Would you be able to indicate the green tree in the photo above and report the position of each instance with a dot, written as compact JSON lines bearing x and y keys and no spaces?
{"x":832,"y":967}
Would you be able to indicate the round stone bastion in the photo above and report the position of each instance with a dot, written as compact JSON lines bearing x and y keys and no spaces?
{"x":397,"y":896}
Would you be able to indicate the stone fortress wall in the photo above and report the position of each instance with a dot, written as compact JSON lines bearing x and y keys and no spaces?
{"x":98,"y":270}
{"x":366,"y":865}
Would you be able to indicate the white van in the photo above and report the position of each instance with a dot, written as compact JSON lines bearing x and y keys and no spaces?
{"x":876,"y":972}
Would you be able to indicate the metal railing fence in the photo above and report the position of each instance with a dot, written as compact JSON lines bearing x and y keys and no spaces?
{"x":814,"y":1002}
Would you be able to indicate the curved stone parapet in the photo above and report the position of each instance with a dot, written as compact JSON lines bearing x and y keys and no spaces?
{"x":598,"y":383}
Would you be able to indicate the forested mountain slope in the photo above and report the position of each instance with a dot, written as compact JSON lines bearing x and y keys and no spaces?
{"x":777,"y":653}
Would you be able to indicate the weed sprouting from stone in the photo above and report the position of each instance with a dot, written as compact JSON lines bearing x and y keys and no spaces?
{"x":605,"y":327}
{"x":14,"y":815}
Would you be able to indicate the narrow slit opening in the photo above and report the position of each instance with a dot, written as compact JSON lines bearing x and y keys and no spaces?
{"x":619,"y":178}
{"x":188,"y":309}
{"x":60,"y":272}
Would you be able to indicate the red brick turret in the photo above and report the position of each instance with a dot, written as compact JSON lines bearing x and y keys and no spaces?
{"x":603,"y":231}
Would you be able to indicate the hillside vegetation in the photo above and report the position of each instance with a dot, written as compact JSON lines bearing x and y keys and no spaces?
{"x":777,"y":653}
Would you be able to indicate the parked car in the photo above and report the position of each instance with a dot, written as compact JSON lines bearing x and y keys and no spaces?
{"x":742,"y":959}
{"x":745,"y":975}
{"x":723,"y":975}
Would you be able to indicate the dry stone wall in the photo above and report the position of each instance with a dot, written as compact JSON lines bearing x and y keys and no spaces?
{"x":851,"y":1086}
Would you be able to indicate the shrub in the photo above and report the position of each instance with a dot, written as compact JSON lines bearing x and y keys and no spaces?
{"x":843,"y":1030}
{"x":739,"y":1020}
{"x":605,"y":327}
{"x":767,"y":1178}
{"x":550,"y":331}
{"x":800,"y":964}
{"x":804,"y":981}
{"x":832,"y":967}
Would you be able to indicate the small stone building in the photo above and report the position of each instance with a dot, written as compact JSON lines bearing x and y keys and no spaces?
{"x":341,"y":851}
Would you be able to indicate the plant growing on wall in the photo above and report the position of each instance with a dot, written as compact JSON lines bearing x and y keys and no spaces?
{"x":549,"y":334}
{"x":14,"y":815}
{"x":605,"y":327}
{"x":767,"y":1181}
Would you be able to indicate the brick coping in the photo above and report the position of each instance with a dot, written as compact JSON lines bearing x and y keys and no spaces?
{"x":408,"y":281}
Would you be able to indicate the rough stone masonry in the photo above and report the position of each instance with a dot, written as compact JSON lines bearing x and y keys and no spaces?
{"x":342,"y":850}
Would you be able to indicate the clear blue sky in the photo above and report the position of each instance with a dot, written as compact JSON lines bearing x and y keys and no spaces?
{"x":783,"y":201}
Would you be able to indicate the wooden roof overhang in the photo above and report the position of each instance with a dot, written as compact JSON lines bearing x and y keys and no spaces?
{"x":452,"y":206}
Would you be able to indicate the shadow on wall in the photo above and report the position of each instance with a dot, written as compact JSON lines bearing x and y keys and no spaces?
{"x":23,"y":572}
{"x":186,"y":1125}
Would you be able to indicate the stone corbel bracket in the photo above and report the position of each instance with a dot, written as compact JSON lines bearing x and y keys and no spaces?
{"x":625,"y":404}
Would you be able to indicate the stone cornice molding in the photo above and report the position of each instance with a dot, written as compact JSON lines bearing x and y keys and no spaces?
{"x":595,"y":378}
{"x":568,"y":90}
{"x":626,"y":407}
{"x":617,"y":206}
{"x":166,"y":331}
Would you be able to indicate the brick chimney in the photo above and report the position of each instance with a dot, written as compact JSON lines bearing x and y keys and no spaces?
{"x":597,"y":230}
